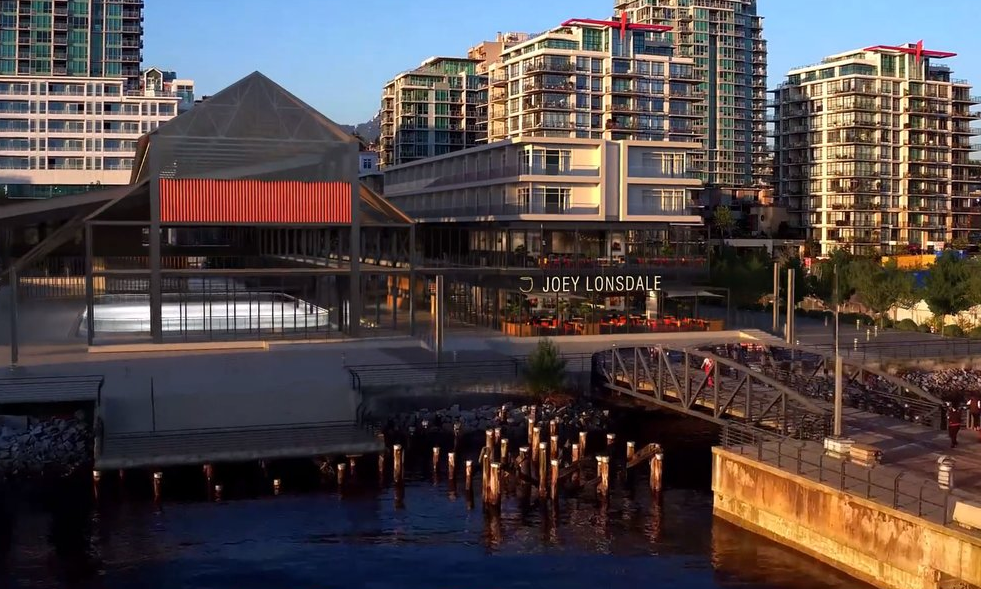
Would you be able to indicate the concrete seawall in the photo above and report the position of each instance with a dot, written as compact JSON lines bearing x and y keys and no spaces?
{"x":867,"y":540}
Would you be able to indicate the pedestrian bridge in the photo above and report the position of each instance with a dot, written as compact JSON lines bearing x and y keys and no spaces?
{"x":787,"y":390}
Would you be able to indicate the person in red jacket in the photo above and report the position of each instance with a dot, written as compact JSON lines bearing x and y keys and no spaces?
{"x":953,"y":423}
{"x":974,"y":413}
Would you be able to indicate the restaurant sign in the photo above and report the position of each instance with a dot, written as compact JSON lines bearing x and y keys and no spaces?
{"x":592,"y":284}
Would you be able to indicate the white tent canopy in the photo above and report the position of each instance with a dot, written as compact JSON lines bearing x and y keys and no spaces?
{"x":691,"y":294}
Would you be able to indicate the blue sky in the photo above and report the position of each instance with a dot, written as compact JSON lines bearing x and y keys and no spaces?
{"x":336,"y":55}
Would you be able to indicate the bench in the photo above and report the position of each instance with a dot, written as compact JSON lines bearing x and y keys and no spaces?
{"x":865,"y":455}
{"x":967,"y":514}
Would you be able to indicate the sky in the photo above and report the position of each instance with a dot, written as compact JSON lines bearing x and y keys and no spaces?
{"x":337,"y":55}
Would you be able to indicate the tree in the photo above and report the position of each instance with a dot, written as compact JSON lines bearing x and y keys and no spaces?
{"x":972,"y":289}
{"x":880,"y":287}
{"x":945,"y":287}
{"x":545,"y":372}
{"x":823,"y":282}
{"x":724,"y":220}
{"x":748,"y":277}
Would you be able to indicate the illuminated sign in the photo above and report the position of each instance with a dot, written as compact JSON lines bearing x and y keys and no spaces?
{"x":592,"y":284}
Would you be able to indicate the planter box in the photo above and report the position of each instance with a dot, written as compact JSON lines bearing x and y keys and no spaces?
{"x":716,"y":325}
{"x":517,"y":329}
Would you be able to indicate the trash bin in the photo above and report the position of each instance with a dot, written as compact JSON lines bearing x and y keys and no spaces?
{"x":945,"y":472}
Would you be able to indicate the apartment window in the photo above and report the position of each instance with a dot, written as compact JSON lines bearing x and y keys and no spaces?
{"x":656,"y":201}
{"x":551,"y":200}
{"x":663,"y":164}
{"x":546,"y":161}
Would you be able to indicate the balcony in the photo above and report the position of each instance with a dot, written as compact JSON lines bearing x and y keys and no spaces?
{"x":534,"y":105}
{"x":655,"y":172}
{"x":539,"y":86}
{"x":550,"y":66}
{"x":531,"y":206}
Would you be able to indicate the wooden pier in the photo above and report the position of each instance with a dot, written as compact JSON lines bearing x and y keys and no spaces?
{"x":194,"y":447}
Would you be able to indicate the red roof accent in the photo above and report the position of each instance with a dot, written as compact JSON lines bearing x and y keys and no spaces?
{"x":621,"y":24}
{"x":917,"y":50}
{"x":235,"y":202}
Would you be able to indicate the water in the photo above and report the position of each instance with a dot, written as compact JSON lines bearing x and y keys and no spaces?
{"x":433,"y":539}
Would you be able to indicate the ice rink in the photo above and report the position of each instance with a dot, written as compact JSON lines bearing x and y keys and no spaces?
{"x":273,"y":312}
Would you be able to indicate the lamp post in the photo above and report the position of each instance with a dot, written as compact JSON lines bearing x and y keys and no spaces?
{"x":839,"y":383}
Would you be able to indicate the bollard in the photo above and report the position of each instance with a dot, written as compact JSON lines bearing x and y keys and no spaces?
{"x":542,"y":469}
{"x":218,"y":490}
{"x":875,"y":331}
{"x":504,"y":452}
{"x":381,"y":467}
{"x":493,"y":496}
{"x":826,"y":320}
{"x":468,"y":473}
{"x":945,"y":473}
{"x":554,"y":480}
{"x":582,"y":444}
{"x":435,"y":460}
{"x":351,"y":463}
{"x":553,"y":428}
{"x":554,"y":448}
{"x":451,"y":465}
{"x":524,"y":462}
{"x":341,"y":470}
{"x":855,"y":343}
{"x":277,"y":485}
{"x":96,"y":477}
{"x":630,"y":451}
{"x":209,"y":473}
{"x":497,"y":435}
{"x":536,"y":434}
{"x":858,"y":325}
{"x":397,"y":463}
{"x":157,"y":485}
{"x":603,"y":470}
{"x":657,"y":469}
{"x":868,"y":334}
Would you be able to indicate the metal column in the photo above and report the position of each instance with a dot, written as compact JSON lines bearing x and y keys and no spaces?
{"x":156,"y":281}
{"x":439,"y":316}
{"x":790,"y":306}
{"x":14,"y":344}
{"x":412,"y":280}
{"x":355,"y":283}
{"x":776,"y":298}
{"x":89,"y":286}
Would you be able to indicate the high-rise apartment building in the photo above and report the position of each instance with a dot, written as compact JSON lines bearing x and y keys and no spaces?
{"x":872,"y":151}
{"x":85,"y":38}
{"x":725,"y":40}
{"x":433,"y":110}
{"x":593,"y":79}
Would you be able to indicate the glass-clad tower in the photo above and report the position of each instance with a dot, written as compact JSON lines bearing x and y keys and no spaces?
{"x":89,"y":38}
{"x":725,"y":39}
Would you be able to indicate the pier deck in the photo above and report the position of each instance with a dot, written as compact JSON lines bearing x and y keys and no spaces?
{"x":53,"y":389}
{"x":194,"y":447}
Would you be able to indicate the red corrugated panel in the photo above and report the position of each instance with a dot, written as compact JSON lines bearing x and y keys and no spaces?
{"x":254,"y":201}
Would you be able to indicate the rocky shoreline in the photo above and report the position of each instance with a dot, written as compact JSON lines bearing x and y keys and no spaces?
{"x":578,"y":415}
{"x":952,"y":384}
{"x":32,"y":449}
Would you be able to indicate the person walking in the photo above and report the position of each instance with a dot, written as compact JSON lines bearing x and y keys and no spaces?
{"x":953,"y":423}
{"x":974,"y":413}
{"x":707,"y":365}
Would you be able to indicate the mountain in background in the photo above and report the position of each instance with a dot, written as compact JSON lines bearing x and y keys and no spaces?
{"x":370,"y":131}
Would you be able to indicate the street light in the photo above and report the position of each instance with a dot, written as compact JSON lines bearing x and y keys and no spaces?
{"x":839,"y":383}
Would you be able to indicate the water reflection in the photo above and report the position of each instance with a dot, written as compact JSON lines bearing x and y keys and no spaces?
{"x":408,"y":537}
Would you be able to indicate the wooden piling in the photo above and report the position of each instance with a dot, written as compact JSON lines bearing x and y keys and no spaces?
{"x":553,"y":445}
{"x":610,"y":441}
{"x":542,"y":469}
{"x":554,"y":480}
{"x":504,"y":452}
{"x":536,"y":434}
{"x":553,"y":428}
{"x":397,"y":463}
{"x":657,"y":469}
{"x":603,"y":470}
{"x":457,"y":432}
{"x":582,"y":444}
{"x":524,"y":462}
{"x":451,"y":465}
{"x":381,"y":467}
{"x":209,"y":474}
{"x":485,"y":462}
{"x":352,"y":461}
{"x":489,"y":444}
{"x":157,"y":485}
{"x":577,"y":461}
{"x":218,"y":490}
{"x":497,"y":435}
{"x":493,"y":497}
{"x":96,"y":477}
{"x":531,"y":428}
{"x":468,"y":470}
{"x":278,"y":485}
{"x":341,"y":470}
{"x":435,"y":460}
{"x":630,"y":451}
{"x":264,"y":468}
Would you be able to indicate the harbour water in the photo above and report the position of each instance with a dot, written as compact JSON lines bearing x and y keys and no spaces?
{"x":433,"y":538}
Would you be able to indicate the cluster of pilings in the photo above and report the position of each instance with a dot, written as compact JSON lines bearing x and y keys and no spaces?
{"x":548,"y":462}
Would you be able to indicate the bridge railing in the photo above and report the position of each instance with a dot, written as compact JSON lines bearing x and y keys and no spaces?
{"x":883,"y":484}
{"x":856,"y":346}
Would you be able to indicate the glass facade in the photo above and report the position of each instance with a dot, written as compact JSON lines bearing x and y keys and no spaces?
{"x":95,"y":38}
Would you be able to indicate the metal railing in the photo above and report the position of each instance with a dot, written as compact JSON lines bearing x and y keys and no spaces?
{"x":886,"y":485}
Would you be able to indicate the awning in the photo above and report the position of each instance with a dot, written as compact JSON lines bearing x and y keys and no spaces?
{"x":691,"y":294}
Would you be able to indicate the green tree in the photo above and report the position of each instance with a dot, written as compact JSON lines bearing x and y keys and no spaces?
{"x":880,"y":287}
{"x":945,"y":287}
{"x":748,"y":277}
{"x":822,"y":283}
{"x":972,"y":289}
{"x":725,"y":221}
{"x":545,"y":372}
